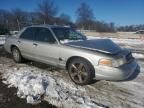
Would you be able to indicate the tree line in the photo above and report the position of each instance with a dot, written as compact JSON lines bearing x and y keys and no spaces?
{"x":47,"y":13}
{"x":131,"y":28}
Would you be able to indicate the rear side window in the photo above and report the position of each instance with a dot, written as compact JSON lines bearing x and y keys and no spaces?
{"x":28,"y":34}
{"x":44,"y":35}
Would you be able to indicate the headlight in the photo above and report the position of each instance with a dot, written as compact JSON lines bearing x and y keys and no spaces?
{"x":111,"y":62}
{"x":118,"y":62}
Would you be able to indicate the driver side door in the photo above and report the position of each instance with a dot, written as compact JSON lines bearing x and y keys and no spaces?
{"x":46,"y":48}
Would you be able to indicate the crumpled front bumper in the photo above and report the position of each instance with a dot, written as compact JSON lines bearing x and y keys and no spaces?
{"x":127,"y":71}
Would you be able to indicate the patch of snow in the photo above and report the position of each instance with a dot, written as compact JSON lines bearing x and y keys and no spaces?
{"x":2,"y":40}
{"x":36,"y":85}
{"x":30,"y":86}
{"x":138,"y":55}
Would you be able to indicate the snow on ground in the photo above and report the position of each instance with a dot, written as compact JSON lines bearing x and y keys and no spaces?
{"x":138,"y":55}
{"x":30,"y":85}
{"x":55,"y":86}
{"x":35,"y":84}
{"x":2,"y":40}
{"x":122,"y":40}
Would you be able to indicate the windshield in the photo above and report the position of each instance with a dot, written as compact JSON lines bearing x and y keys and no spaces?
{"x":64,"y":33}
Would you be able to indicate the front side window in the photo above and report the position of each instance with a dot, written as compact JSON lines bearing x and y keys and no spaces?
{"x":63,"y":33}
{"x":44,"y":35}
{"x":28,"y":34}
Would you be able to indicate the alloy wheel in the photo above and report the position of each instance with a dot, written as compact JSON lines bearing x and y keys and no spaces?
{"x":78,"y":72}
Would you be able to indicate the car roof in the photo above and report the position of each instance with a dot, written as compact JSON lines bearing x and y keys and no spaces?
{"x":48,"y":26}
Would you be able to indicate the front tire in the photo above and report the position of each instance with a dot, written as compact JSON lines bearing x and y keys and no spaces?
{"x":16,"y":55}
{"x":81,"y":71}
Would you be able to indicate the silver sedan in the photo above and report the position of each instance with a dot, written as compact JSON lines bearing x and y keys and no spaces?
{"x":66,"y":48}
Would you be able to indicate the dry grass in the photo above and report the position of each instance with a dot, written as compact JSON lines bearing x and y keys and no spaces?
{"x":127,"y":35}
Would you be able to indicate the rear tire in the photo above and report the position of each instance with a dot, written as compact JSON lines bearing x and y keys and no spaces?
{"x":17,"y":57}
{"x":81,"y":71}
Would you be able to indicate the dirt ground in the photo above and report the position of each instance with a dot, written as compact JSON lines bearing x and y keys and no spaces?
{"x":8,"y":96}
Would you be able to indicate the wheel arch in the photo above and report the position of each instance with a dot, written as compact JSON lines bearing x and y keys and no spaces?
{"x":12,"y":46}
{"x":87,"y":60}
{"x":73,"y":57}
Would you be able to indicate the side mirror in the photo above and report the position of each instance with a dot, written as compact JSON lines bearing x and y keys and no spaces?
{"x":84,"y":37}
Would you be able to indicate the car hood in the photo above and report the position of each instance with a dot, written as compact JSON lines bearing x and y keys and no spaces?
{"x":100,"y":45}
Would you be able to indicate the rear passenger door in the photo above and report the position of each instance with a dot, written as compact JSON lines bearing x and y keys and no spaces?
{"x":46,"y":48}
{"x":26,"y":42}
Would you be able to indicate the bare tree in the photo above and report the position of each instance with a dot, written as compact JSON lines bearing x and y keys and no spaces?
{"x":47,"y":11}
{"x":84,"y":15}
{"x":5,"y":18}
{"x":33,"y":18}
{"x":66,"y":18}
{"x":20,"y":18}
